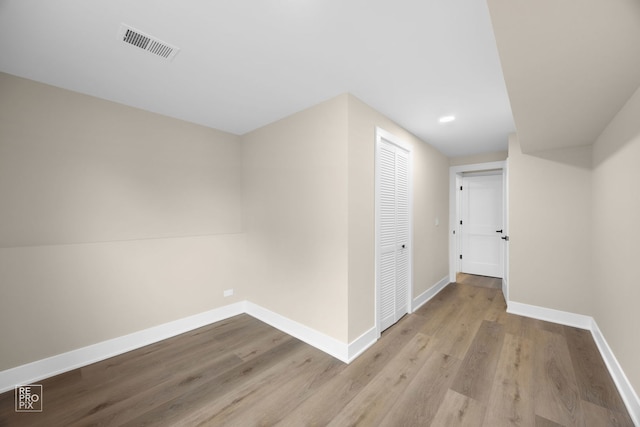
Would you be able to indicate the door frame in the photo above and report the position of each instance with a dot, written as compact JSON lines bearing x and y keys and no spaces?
{"x":389,"y":137}
{"x":455,"y":203}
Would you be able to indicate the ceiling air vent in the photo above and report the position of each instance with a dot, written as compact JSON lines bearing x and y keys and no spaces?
{"x":149,"y":43}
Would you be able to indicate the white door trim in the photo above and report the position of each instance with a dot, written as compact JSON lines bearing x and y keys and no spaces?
{"x":455,"y":178}
{"x":389,"y":137}
{"x":505,"y":200}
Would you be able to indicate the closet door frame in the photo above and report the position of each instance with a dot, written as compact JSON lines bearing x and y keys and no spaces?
{"x":385,"y":136}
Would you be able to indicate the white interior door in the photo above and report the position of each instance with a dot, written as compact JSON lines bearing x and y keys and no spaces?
{"x":394,"y":231}
{"x":482,"y":224}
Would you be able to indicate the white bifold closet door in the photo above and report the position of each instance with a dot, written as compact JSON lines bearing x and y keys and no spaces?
{"x":393,"y":233}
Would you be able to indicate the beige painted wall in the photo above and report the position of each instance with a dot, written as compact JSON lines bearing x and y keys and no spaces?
{"x":58,"y":298}
{"x":295,"y":188}
{"x":616,"y":236}
{"x":77,"y":169}
{"x":309,"y":217}
{"x":430,"y":201}
{"x":550,"y":228}
{"x":569,"y":66}
{"x":113,"y":220}
{"x":478,"y":158}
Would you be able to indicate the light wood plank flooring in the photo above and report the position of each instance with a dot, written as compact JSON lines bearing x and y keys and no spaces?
{"x":460,"y":360}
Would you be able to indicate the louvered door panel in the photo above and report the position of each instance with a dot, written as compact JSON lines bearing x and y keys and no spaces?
{"x":402,"y":197}
{"x":402,"y":233}
{"x":387,"y":290}
{"x":393,"y":233}
{"x":387,"y":230}
{"x":387,"y":188}
{"x":402,"y":283}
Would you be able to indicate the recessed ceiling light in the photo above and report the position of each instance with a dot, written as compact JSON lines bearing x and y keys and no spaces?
{"x":446,"y":119}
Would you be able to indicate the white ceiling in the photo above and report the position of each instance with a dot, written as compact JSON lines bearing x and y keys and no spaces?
{"x":246,"y":63}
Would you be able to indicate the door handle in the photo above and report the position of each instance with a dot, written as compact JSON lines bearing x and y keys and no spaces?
{"x":403,"y":246}
{"x":498,"y":231}
{"x":505,"y":238}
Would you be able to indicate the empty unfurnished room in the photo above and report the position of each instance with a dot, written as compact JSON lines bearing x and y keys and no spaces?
{"x":319,"y":213}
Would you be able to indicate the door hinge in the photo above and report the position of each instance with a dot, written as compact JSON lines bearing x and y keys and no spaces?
{"x":461,"y":256}
{"x":461,"y":188}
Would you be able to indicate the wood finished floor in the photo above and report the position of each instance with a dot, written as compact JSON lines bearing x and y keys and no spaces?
{"x":460,"y":360}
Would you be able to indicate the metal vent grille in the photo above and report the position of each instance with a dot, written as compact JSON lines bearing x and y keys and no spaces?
{"x":146,"y":42}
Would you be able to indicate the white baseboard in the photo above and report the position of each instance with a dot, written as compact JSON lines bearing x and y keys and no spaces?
{"x":422,"y":299}
{"x":45,"y":368}
{"x":629,"y":395}
{"x":338,"y":349}
{"x":360,"y":344}
{"x":366,"y":340}
{"x":550,"y":315}
{"x":330,"y":345}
